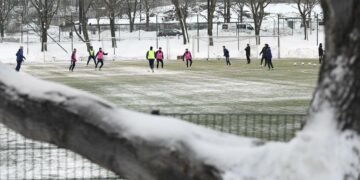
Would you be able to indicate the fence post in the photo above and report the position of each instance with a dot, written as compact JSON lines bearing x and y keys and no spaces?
{"x":279,"y":36}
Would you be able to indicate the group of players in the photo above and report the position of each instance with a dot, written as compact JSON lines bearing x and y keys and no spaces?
{"x":158,"y":55}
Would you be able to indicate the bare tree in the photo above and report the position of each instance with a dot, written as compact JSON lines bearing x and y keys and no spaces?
{"x":257,"y":8}
{"x":181,"y":8}
{"x":113,"y":7}
{"x":131,"y":8}
{"x":227,"y":12}
{"x":148,"y":5}
{"x":84,"y":6}
{"x":46,"y":9}
{"x":5,"y":8}
{"x":305,"y":8}
{"x":210,"y":17}
{"x":239,"y":7}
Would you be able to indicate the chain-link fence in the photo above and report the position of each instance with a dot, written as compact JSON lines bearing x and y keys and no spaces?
{"x":21,"y":158}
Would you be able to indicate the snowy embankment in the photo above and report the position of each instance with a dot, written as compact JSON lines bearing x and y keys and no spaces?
{"x":109,"y":136}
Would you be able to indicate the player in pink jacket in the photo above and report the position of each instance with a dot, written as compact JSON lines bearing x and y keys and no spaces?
{"x":187,"y":56}
{"x":100,"y":58}
{"x":159,"y":55}
{"x":73,"y":60}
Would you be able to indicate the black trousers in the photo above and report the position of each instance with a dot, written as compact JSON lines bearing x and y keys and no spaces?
{"x":262,"y":59}
{"x":188,"y":62}
{"x":269,"y":62}
{"x":72,"y":65}
{"x":99,"y":61}
{"x":18,"y":65}
{"x":158,"y":61}
{"x":228,"y":61}
{"x":248,"y":58}
{"x":321,"y":59}
{"x":151,"y":63}
{"x":91,"y":57}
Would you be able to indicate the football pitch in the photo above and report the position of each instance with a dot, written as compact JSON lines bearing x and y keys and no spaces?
{"x":209,"y":87}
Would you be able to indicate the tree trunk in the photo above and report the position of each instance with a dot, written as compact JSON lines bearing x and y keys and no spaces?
{"x":241,"y":13}
{"x":228,"y":12}
{"x":43,"y":37}
{"x":303,"y":17}
{"x":2,"y":29}
{"x":147,"y":20}
{"x":257,"y":29}
{"x":211,"y":9}
{"x":112,"y":29}
{"x":339,"y":81}
{"x":85,"y":33}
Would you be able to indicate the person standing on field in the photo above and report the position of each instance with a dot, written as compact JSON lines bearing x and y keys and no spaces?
{"x":19,"y":58}
{"x":268,"y":57}
{"x":159,"y":58}
{"x":73,"y":60}
{"x":227,"y":56}
{"x":91,"y":56}
{"x":247,"y":50}
{"x":188,"y":57}
{"x":100,"y":58}
{"x":150,"y":56}
{"x":263,"y":56}
{"x":321,"y":53}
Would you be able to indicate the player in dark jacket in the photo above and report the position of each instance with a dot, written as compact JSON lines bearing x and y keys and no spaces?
{"x":19,"y":58}
{"x":268,"y":56}
{"x":247,"y":50}
{"x":227,"y":56}
{"x":263,"y":56}
{"x":321,"y":53}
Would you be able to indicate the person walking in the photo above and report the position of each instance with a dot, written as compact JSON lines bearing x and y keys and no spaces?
{"x":263,"y":56}
{"x":268,"y":57}
{"x":227,"y":56}
{"x":188,"y":57}
{"x":150,"y":56}
{"x":100,"y":58}
{"x":73,"y":60}
{"x":321,"y":53}
{"x":159,"y":58}
{"x":247,"y":50}
{"x":19,"y":58}
{"x":91,"y":56}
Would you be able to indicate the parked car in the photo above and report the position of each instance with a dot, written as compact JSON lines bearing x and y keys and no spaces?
{"x":169,"y":32}
{"x":245,"y":26}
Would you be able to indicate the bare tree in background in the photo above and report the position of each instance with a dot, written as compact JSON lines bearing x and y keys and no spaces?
{"x":100,"y":11}
{"x":257,"y":8}
{"x":211,"y":9}
{"x":181,"y":8}
{"x":148,"y":4}
{"x":239,"y":7}
{"x":84,"y":7}
{"x":113,"y":7}
{"x":131,"y":8}
{"x":46,"y":9}
{"x":5,"y":8}
{"x":305,"y":8}
{"x":227,"y":12}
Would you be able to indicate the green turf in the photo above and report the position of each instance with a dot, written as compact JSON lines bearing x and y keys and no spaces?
{"x":209,"y":86}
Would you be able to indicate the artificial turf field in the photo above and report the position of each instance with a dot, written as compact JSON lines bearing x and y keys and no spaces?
{"x":209,"y":87}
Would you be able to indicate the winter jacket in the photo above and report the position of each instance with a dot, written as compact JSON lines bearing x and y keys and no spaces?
{"x":247,"y":49}
{"x":73,"y":56}
{"x":321,"y":51}
{"x":268,"y":54}
{"x":91,"y":52}
{"x":263,"y":52}
{"x":159,"y":55}
{"x":226,"y":53}
{"x":187,"y":56}
{"x":19,"y":55}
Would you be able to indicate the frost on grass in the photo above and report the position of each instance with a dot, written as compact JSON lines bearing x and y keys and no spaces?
{"x":319,"y":152}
